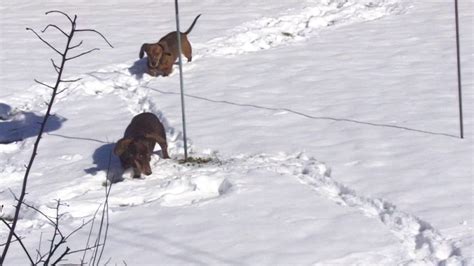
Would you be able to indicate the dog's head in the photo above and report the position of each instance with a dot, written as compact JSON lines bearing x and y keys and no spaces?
{"x":154,"y":52}
{"x":135,"y":152}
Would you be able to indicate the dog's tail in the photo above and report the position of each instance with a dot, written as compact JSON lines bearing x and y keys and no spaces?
{"x":192,"y":25}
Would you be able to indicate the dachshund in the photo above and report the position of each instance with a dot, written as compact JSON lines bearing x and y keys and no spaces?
{"x":138,"y":142}
{"x":162,"y":55}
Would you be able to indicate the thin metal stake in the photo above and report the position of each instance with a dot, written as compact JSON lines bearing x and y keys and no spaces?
{"x":181,"y":81}
{"x":459,"y":69}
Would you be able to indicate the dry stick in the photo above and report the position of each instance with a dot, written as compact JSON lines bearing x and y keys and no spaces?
{"x":61,"y":257}
{"x":106,"y":223}
{"x":19,"y":241}
{"x":90,"y":233}
{"x":104,"y":209}
{"x":56,"y":231}
{"x":43,"y":124}
{"x":38,"y":251}
{"x":63,"y":241}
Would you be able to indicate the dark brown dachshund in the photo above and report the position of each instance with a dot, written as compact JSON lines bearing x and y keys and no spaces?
{"x":138,"y":142}
{"x":163,"y":54}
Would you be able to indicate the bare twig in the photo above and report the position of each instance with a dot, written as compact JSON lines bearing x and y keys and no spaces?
{"x":56,"y":229}
{"x":106,"y":223}
{"x":90,"y":233}
{"x":62,"y":256}
{"x":105,"y":209}
{"x":56,"y":27}
{"x":19,"y":241}
{"x":75,"y":46}
{"x":83,"y":250}
{"x":38,"y":251}
{"x":81,"y":54}
{"x":44,"y":84}
{"x":101,"y":35}
{"x":61,"y":91}
{"x":47,"y":43}
{"x":40,"y":212}
{"x":60,"y":12}
{"x":70,"y":80}
{"x":56,"y":68}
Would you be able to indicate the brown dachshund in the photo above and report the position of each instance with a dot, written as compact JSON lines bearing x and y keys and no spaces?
{"x":162,"y":55}
{"x":138,"y":142}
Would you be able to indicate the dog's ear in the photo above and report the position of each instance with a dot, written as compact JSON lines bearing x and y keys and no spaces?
{"x":121,"y":146}
{"x":142,"y":50}
{"x":166,"y":50}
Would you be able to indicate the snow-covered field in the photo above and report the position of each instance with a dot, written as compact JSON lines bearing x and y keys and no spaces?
{"x":332,"y":125}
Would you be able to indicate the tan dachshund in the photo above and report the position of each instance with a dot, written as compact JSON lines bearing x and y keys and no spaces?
{"x":163,"y":54}
{"x":138,"y":142}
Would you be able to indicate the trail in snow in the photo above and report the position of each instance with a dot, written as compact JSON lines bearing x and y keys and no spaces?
{"x":424,"y":244}
{"x":185,"y":184}
{"x":178,"y":185}
{"x":300,"y":23}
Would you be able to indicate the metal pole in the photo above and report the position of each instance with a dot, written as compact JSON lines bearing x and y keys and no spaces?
{"x":459,"y":69}
{"x":180,"y":62}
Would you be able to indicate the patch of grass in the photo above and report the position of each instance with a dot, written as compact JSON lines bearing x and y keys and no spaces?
{"x":287,"y":34}
{"x":199,"y":161}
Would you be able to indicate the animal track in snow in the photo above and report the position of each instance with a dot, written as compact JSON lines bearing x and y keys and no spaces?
{"x":300,"y":24}
{"x":424,"y":244}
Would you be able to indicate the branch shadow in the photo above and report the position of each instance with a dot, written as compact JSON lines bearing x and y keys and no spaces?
{"x":311,"y":116}
{"x":19,"y":125}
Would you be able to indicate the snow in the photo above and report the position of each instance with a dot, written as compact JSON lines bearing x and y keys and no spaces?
{"x":332,"y":127}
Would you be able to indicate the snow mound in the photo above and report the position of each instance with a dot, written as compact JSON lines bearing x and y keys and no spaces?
{"x":300,"y":24}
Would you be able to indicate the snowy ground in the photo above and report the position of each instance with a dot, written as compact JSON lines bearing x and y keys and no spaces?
{"x":332,"y":124}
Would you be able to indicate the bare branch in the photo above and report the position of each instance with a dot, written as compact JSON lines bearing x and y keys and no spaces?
{"x":38,"y":251}
{"x":78,"y":228}
{"x":81,"y":54}
{"x":56,"y":68}
{"x":60,"y":12}
{"x":61,"y":91}
{"x":44,"y":84}
{"x":105,"y":212}
{"x":90,"y":232}
{"x":47,"y":43}
{"x":62,"y":256}
{"x":40,"y":212}
{"x":70,"y":80}
{"x":101,"y":35}
{"x":75,"y":46}
{"x":84,"y":249}
{"x":56,"y":230}
{"x":19,"y":241}
{"x":4,"y":244}
{"x":56,"y":27}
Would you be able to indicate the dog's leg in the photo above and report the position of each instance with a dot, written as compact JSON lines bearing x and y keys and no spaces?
{"x":136,"y":173}
{"x":187,"y":50}
{"x":164,"y":150}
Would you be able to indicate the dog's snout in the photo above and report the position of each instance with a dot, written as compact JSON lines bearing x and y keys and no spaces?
{"x":147,"y":172}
